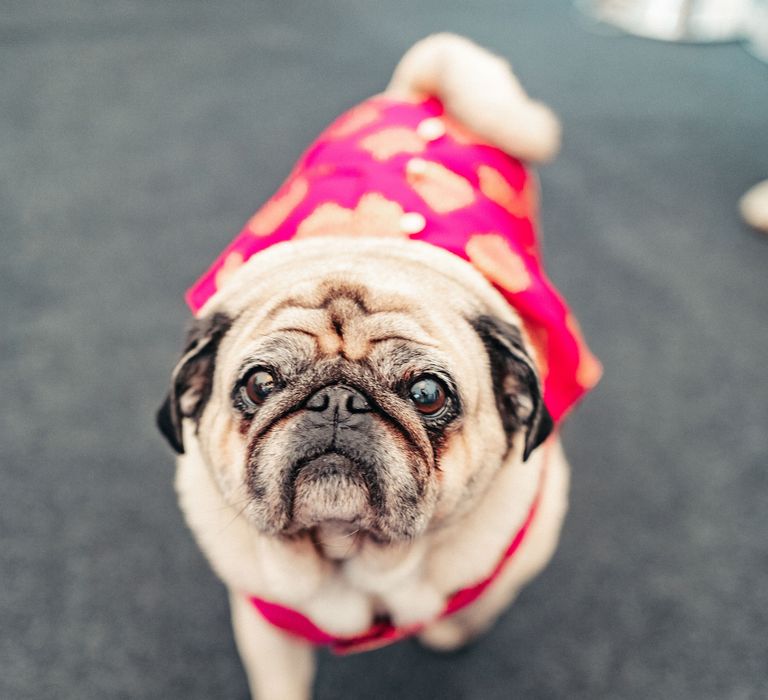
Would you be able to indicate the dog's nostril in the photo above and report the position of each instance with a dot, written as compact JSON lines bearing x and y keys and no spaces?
{"x":357,"y":403}
{"x":319,"y":401}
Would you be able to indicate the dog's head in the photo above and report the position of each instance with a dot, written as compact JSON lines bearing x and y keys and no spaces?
{"x":370,"y":382}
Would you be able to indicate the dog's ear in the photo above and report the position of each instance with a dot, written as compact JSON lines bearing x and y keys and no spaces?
{"x":192,"y":377}
{"x":515,"y":382}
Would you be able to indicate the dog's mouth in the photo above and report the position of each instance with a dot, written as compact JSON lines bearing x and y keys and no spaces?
{"x":331,"y":488}
{"x":360,"y":488}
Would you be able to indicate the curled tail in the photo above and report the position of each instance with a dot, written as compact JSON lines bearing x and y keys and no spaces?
{"x":479,"y":89}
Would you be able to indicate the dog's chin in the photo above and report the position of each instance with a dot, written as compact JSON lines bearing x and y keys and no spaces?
{"x":330,"y":490}
{"x":335,"y":493}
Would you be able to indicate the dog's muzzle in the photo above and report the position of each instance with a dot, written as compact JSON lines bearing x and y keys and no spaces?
{"x":335,"y":477}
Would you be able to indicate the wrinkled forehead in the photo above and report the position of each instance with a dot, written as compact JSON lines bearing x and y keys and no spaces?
{"x":344,"y":316}
{"x":352,"y":298}
{"x":347,"y":317}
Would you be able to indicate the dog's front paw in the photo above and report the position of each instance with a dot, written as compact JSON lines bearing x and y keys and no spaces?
{"x":446,"y":636}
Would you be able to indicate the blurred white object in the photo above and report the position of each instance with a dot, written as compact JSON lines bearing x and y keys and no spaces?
{"x":754,"y":206}
{"x":675,"y":20}
{"x":757,"y":29}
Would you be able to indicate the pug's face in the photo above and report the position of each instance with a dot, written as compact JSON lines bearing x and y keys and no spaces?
{"x":372,"y":383}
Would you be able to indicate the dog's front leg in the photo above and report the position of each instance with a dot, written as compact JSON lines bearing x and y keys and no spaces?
{"x":278,"y":666}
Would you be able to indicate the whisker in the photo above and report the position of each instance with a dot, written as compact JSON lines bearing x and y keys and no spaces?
{"x":236,"y":516}
{"x":352,"y":542}
{"x":225,"y":506}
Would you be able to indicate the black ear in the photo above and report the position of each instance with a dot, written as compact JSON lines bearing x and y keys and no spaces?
{"x":515,"y":381}
{"x":192,"y":378}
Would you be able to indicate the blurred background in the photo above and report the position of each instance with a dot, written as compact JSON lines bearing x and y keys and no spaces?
{"x":135,"y":140}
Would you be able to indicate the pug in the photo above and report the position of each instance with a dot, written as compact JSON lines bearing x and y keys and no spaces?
{"x":366,"y":408}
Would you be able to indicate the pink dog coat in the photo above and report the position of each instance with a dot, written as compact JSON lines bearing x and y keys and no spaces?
{"x":408,"y":170}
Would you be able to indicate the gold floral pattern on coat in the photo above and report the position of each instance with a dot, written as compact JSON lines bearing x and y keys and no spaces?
{"x":277,"y":210}
{"x":354,"y":120}
{"x":386,"y":143}
{"x":374,"y":215}
{"x":589,"y":370}
{"x":442,"y":189}
{"x":496,"y":187}
{"x":490,"y":253}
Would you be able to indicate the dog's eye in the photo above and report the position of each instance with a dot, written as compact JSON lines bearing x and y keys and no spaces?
{"x":258,"y":386}
{"x":428,"y":395}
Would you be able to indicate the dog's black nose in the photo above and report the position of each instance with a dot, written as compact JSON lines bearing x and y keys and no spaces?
{"x":338,"y":400}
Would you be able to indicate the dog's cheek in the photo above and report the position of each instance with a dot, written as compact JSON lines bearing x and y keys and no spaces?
{"x":268,"y":463}
{"x":469,"y":460}
{"x":454,"y":474}
{"x":224,"y":450}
